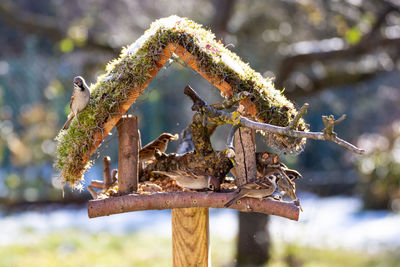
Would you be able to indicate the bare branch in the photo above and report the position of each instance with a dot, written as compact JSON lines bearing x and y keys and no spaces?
{"x":106,"y":171}
{"x":43,"y":25}
{"x":369,"y":42}
{"x":172,"y":200}
{"x":303,"y":110}
{"x":220,"y":116}
{"x":287,"y":132}
{"x":92,"y":192}
{"x":229,"y":141}
{"x":97,"y":184}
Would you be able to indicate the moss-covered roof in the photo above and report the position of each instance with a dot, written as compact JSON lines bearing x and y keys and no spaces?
{"x":127,"y":76}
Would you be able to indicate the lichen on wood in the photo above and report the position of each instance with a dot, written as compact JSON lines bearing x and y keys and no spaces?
{"x":126,"y":78}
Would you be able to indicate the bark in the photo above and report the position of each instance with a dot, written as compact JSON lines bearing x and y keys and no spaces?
{"x":172,"y":200}
{"x":128,"y":155}
{"x":107,"y":172}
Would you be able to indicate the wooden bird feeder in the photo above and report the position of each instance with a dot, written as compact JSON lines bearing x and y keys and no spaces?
{"x":127,"y":77}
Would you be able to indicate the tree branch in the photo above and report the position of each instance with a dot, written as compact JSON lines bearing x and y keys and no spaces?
{"x":171,"y":200}
{"x":43,"y":25}
{"x":369,"y":42}
{"x":333,"y":79}
{"x":220,"y":116}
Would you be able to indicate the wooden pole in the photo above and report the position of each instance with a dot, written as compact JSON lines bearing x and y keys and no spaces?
{"x":190,"y":226}
{"x":107,"y":172}
{"x":253,"y":242}
{"x":190,"y":237}
{"x":128,"y":154}
{"x":245,"y":150}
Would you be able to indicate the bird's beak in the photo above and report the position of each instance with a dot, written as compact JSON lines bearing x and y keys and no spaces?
{"x":175,"y":137}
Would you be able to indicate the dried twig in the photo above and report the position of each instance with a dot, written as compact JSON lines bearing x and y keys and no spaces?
{"x":233,"y":118}
{"x":171,"y":200}
{"x":92,"y":192}
{"x":106,"y":172}
{"x":97,"y":184}
{"x":303,"y":110}
{"x":229,"y":141}
{"x":114,"y":175}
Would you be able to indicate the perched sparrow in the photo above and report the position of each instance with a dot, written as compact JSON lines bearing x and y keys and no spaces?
{"x":287,"y":186}
{"x":267,"y":158}
{"x":161,"y":143}
{"x":292,"y":174}
{"x":271,"y":163}
{"x":79,"y":100}
{"x":193,"y":179}
{"x":260,"y":188}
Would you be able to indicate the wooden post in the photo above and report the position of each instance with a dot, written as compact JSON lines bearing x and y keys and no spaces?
{"x":253,"y":242}
{"x":128,"y":154}
{"x":190,"y":237}
{"x":190,"y":226}
{"x":245,"y":150}
{"x":107,"y":172}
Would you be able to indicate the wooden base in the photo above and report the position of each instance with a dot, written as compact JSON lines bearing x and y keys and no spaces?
{"x":190,"y":237}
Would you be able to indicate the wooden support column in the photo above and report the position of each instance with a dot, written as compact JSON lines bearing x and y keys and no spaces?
{"x":128,"y":154}
{"x":107,"y":172}
{"x":245,"y":150}
{"x":190,"y":237}
{"x":254,"y":241}
{"x":190,"y":226}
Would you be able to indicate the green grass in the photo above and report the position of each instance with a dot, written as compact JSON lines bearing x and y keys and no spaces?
{"x":76,"y":248}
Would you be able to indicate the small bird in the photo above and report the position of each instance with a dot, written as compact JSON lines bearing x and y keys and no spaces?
{"x":286,"y":185}
{"x":263,"y":187}
{"x":292,"y":174}
{"x":79,"y":100}
{"x":193,"y":179}
{"x":147,"y":152}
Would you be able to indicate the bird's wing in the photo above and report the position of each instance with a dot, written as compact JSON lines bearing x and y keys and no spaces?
{"x":169,"y":174}
{"x":251,"y":186}
{"x":292,"y":174}
{"x":72,"y":100}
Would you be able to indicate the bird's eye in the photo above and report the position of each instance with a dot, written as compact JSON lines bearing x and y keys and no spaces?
{"x":211,"y":187}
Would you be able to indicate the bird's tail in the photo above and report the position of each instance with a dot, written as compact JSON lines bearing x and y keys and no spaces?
{"x":233,"y":200}
{"x":68,"y":122}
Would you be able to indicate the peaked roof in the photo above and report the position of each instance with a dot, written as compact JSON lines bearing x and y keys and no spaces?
{"x":127,"y":77}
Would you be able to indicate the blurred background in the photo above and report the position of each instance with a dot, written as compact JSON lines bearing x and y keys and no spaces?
{"x":339,"y":56}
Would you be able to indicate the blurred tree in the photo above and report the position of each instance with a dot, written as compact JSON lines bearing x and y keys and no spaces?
{"x":380,"y":168}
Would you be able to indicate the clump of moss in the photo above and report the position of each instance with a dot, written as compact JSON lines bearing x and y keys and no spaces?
{"x":132,"y":70}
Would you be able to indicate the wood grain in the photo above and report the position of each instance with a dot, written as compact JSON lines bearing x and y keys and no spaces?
{"x":190,"y":237}
{"x":128,"y":154}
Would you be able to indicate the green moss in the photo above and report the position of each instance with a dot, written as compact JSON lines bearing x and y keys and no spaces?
{"x":132,"y":69}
